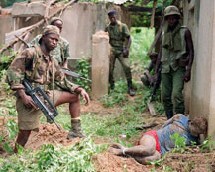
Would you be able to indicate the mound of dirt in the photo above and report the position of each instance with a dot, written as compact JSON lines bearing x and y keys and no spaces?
{"x":49,"y":134}
{"x":191,"y":161}
{"x":107,"y":162}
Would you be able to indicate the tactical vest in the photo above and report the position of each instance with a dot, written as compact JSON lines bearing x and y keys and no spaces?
{"x":170,"y":57}
{"x":117,"y":36}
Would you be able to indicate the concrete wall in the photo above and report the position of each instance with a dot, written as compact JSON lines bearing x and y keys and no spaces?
{"x":81,"y":21}
{"x":5,"y":26}
{"x":191,"y":20}
{"x":211,"y":117}
{"x":79,"y":26}
{"x":202,"y":101}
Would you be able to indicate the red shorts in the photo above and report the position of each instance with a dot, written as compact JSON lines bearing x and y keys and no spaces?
{"x":153,"y":133}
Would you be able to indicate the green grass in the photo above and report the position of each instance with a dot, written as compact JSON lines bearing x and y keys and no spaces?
{"x":142,"y":39}
{"x":104,"y":126}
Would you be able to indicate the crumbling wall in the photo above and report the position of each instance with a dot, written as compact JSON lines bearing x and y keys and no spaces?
{"x":81,"y":21}
{"x":202,"y":101}
{"x":6,"y":25}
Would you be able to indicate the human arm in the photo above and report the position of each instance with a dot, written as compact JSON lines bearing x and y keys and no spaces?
{"x":126,"y":49}
{"x":65,"y":64}
{"x":65,"y":53}
{"x":84,"y":94}
{"x":171,"y":120}
{"x":156,"y":79}
{"x":26,"y":99}
{"x":127,"y":43}
{"x":148,"y":69}
{"x":190,"y":49}
{"x":15,"y":76}
{"x":146,"y":147}
{"x":119,"y":150}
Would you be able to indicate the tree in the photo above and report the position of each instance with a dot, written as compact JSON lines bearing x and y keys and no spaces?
{"x":7,"y":3}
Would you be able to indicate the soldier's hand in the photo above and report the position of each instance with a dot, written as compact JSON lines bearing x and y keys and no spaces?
{"x":85,"y":96}
{"x":26,"y":99}
{"x":28,"y":102}
{"x":187,"y":76}
{"x":146,"y":72}
{"x":125,"y":52}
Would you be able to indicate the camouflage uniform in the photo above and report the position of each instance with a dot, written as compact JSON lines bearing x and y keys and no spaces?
{"x":60,"y":53}
{"x":118,"y":34}
{"x":172,"y":73}
{"x":39,"y":69}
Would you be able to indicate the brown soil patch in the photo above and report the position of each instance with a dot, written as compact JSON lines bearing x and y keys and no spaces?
{"x":49,"y":134}
{"x":107,"y":162}
{"x":193,"y":160}
{"x":97,"y":108}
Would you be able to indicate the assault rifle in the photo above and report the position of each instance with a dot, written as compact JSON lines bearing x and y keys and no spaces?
{"x":73,"y":74}
{"x":156,"y":85}
{"x":42,"y":101}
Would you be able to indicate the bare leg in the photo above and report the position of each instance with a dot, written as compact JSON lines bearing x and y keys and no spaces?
{"x":74,"y":103}
{"x":74,"y":110}
{"x":22,"y":138}
{"x":147,"y":147}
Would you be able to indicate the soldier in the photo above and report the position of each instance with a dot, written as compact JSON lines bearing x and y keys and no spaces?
{"x":154,"y":144}
{"x":120,"y":41}
{"x":176,"y":61}
{"x":61,"y":52}
{"x":148,"y":78}
{"x":40,"y":69}
{"x":152,"y":75}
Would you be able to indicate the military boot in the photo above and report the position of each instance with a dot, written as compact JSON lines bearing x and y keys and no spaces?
{"x":75,"y":129}
{"x":131,"y":91}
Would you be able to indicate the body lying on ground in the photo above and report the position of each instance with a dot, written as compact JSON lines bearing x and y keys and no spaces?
{"x":154,"y":144}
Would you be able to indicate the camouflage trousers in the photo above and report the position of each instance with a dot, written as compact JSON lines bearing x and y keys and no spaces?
{"x":124,"y":61}
{"x":172,"y":85}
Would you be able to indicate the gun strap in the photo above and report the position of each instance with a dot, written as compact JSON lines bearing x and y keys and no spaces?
{"x":35,"y":62}
{"x":53,"y":74}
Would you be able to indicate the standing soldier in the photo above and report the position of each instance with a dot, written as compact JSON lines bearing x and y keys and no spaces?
{"x":61,"y":52}
{"x":40,"y":69}
{"x":120,"y":41}
{"x":176,"y":61}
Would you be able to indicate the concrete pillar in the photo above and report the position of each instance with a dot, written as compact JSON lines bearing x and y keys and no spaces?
{"x":211,"y":118}
{"x":100,"y":64}
{"x":203,"y":82}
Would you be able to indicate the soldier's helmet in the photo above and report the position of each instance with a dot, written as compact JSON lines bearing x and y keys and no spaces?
{"x":171,"y":10}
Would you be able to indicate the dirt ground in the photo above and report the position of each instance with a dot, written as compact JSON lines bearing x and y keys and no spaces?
{"x":193,"y":160}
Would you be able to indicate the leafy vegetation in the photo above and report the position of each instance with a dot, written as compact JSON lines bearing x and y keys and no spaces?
{"x":53,"y":158}
{"x":180,"y":143}
{"x":83,"y":69}
{"x":208,"y":145}
{"x":6,"y":3}
{"x":107,"y":126}
{"x":142,"y":39}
